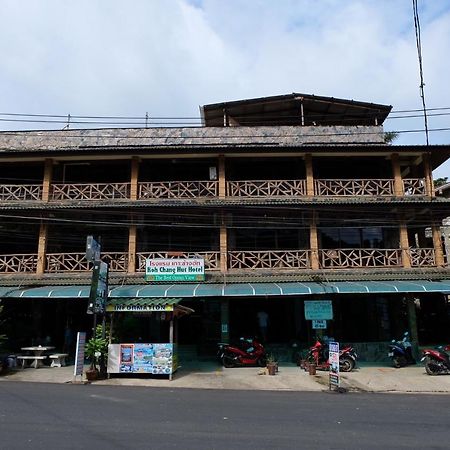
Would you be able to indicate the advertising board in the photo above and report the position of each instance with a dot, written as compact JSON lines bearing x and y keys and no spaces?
{"x":176,"y":269}
{"x":334,"y":364}
{"x":318,"y":310}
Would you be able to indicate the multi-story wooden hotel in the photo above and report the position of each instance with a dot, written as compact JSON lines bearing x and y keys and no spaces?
{"x":287,"y":198}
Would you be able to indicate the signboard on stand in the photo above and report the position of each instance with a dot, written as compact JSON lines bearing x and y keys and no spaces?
{"x":319,"y":324}
{"x":99,"y":288}
{"x":334,"y":364}
{"x":79,"y":354}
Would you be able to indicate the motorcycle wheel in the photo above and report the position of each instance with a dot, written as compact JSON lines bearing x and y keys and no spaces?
{"x":399,"y":361}
{"x":261,"y":362}
{"x":431,"y":368}
{"x":228,"y":362}
{"x":346,"y":364}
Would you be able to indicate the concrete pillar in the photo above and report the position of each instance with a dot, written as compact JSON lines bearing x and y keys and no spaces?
{"x":412,"y":325}
{"x":398,"y":183}
{"x":309,"y":175}
{"x":437,"y":244}
{"x":48,"y":171}
{"x":404,"y":245}
{"x":224,"y":320}
{"x":223,"y":247}
{"x":222,"y":177}
{"x":134,"y":178}
{"x":132,"y":232}
{"x":42,"y":249}
{"x":314,"y":243}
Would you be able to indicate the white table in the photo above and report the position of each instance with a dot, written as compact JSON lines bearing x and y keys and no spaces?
{"x":37,"y":353}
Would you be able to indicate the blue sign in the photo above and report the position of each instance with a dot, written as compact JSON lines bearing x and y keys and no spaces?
{"x":318,"y":310}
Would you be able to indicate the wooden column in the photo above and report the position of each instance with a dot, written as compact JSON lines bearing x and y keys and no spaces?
{"x":437,"y":244}
{"x":309,"y":175}
{"x":314,"y":243}
{"x":398,"y":183}
{"x":134,"y":178}
{"x":429,"y":186}
{"x":222,"y":177}
{"x":223,"y":247}
{"x":42,"y":249}
{"x":132,"y":232}
{"x":48,"y":171}
{"x":404,"y":245}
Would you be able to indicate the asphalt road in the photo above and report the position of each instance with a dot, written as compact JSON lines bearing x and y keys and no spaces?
{"x":51,"y":416}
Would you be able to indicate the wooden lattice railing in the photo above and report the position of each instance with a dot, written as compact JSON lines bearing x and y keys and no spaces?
{"x":212,"y":261}
{"x":266,"y":188}
{"x":20,"y":192}
{"x":76,"y":262}
{"x":345,"y":258}
{"x":414,"y":186}
{"x":18,"y":263}
{"x":90,"y":191}
{"x":177,"y":189}
{"x":286,"y":259}
{"x":354,"y":187}
{"x":422,"y":257}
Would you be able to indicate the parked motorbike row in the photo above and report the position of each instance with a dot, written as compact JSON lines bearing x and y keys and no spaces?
{"x":250,"y":352}
{"x":436,"y":361}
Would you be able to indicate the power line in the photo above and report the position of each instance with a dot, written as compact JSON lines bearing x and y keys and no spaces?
{"x":419,"y":55}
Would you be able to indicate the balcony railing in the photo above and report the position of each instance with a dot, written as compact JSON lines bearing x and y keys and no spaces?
{"x":287,"y":259}
{"x":353,"y":187}
{"x":358,"y":258}
{"x":90,"y":191}
{"x":276,"y":260}
{"x":177,"y":189}
{"x":18,"y":263}
{"x":20,"y":192}
{"x":212,"y":261}
{"x":414,"y":186}
{"x":266,"y":188}
{"x":77,"y":262}
{"x":210,"y":189}
{"x":422,"y":257}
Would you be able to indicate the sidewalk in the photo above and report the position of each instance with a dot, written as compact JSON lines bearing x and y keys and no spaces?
{"x":208,"y":375}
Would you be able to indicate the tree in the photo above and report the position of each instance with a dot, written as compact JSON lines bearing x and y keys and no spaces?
{"x":390,"y":136}
{"x":440,"y":182}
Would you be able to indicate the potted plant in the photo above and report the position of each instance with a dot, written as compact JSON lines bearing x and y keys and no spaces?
{"x":271,"y":364}
{"x":96,"y":351}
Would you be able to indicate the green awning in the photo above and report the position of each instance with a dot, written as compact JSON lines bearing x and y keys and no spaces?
{"x":201,"y":290}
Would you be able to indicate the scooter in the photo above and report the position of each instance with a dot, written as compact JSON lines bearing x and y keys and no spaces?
{"x":400,"y":352}
{"x":437,"y":361}
{"x":318,"y":354}
{"x":247,"y":352}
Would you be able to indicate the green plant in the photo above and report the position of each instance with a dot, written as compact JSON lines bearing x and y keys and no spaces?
{"x":96,"y":348}
{"x":271,"y":359}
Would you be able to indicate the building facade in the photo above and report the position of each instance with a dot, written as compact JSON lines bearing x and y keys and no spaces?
{"x":287,"y":199}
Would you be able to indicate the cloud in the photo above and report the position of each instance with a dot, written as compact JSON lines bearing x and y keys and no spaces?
{"x":114,"y":58}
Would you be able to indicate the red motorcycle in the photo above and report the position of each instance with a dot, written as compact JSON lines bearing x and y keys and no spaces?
{"x":247,"y":352}
{"x":318,"y":354}
{"x":437,"y":361}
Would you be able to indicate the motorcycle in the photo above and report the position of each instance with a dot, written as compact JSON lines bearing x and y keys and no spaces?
{"x":401,"y":352}
{"x":318,"y":354}
{"x":437,"y":361}
{"x":247,"y":352}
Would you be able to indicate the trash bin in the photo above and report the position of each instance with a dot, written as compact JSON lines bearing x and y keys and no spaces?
{"x":312,"y":369}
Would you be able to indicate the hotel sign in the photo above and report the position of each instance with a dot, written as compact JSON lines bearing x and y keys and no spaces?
{"x":177,"y":269}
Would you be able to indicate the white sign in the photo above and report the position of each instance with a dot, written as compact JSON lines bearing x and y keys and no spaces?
{"x":334,"y":364}
{"x":318,"y":310}
{"x":176,"y":269}
{"x":319,"y":324}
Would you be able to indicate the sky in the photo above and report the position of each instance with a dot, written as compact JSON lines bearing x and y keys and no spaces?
{"x":167,"y":57}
